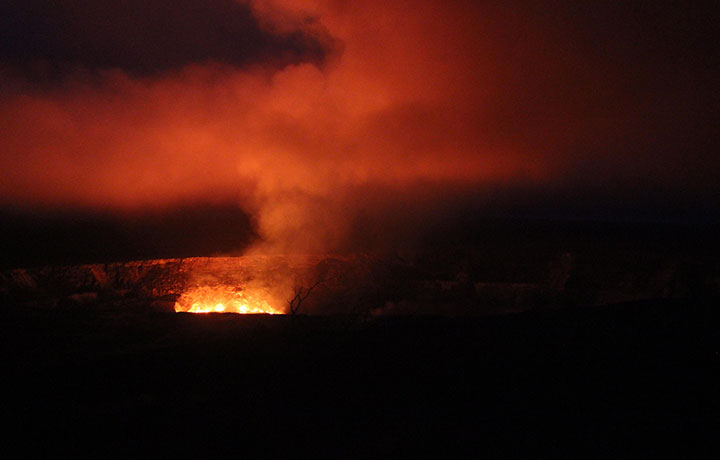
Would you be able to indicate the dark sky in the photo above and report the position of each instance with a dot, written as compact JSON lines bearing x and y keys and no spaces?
{"x":45,"y":39}
{"x":305,"y":117}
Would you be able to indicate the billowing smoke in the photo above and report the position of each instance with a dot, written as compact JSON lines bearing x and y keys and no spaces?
{"x":340,"y":113}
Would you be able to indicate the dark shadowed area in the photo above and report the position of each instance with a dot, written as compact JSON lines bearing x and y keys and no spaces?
{"x":630,"y":380}
{"x":67,"y":238}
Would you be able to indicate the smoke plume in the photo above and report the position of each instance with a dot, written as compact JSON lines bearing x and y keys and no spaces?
{"x":345,"y":115}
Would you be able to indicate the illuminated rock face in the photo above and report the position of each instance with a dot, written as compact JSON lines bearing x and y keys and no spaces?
{"x":229,"y":298}
{"x":168,"y":284}
{"x":349,"y":285}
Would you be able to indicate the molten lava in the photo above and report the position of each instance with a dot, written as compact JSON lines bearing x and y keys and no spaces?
{"x":222,"y":299}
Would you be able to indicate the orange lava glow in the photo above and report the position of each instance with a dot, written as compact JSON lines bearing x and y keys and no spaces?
{"x":223,"y":299}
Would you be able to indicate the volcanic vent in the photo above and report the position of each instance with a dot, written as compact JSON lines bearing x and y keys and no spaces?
{"x":247,"y":284}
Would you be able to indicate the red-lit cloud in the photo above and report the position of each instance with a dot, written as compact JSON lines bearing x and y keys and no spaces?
{"x":473,"y":94}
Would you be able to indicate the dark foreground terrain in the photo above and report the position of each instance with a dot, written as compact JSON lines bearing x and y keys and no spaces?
{"x":631,"y":380}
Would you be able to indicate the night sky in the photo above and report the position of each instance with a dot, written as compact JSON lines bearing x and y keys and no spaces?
{"x":294,"y":122}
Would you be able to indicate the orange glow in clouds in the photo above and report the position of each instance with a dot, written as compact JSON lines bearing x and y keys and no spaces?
{"x":417,"y":92}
